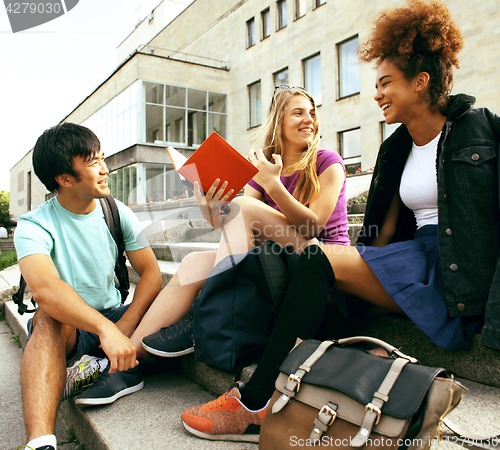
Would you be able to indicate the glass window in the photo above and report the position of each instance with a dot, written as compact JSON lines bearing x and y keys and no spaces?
{"x":183,"y":120}
{"x":388,"y":129}
{"x":255,"y":104}
{"x":281,"y":78}
{"x":154,"y":182}
{"x":197,"y":99}
{"x":217,"y":123}
{"x":350,"y":149}
{"x":197,"y":126}
{"x":266,"y":23}
{"x":348,"y":67}
{"x":175,"y":125}
{"x":250,"y":32}
{"x":153,"y":93}
{"x":216,"y":102}
{"x":300,"y":8}
{"x":319,"y":3}
{"x":176,"y":96}
{"x":312,"y":77}
{"x":282,"y":19}
{"x":154,"y":123}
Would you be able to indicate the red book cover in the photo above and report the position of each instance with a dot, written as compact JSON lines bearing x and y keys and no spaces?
{"x":213,"y":159}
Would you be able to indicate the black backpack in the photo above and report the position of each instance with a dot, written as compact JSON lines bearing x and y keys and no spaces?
{"x":112,"y":217}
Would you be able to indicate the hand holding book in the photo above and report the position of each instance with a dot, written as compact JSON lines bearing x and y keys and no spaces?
{"x":213,"y":202}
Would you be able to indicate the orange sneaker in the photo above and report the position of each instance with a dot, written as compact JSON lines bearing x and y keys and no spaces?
{"x":224,"y":419}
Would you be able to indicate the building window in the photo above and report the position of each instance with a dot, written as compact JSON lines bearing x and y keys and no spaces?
{"x":312,"y":77}
{"x":20,"y":181}
{"x":183,"y":116}
{"x":255,"y":102}
{"x":281,"y":78}
{"x":116,"y":123}
{"x":350,"y":149}
{"x":387,"y":129}
{"x":348,"y":68}
{"x":250,"y":32}
{"x":300,"y":8}
{"x":318,"y":3}
{"x":282,"y":19}
{"x":266,"y":23}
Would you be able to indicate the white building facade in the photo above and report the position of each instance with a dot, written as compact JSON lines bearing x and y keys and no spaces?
{"x":214,"y":68}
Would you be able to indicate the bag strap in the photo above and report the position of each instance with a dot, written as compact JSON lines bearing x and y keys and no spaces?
{"x":112,"y":217}
{"x":373,"y":410}
{"x":467,"y":439}
{"x":393,"y":351}
{"x":294,"y":380}
{"x":18,"y":298}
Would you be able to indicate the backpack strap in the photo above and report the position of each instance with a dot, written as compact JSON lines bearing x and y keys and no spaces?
{"x":18,"y":298}
{"x":112,"y":216}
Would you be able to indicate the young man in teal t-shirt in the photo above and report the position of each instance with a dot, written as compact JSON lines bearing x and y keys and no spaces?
{"x":67,"y":257}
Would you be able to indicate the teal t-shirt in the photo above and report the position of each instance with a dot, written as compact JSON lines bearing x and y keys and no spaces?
{"x":80,"y":246}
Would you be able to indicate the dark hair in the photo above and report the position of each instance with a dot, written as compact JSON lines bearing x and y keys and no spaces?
{"x":55,"y":149}
{"x":421,"y":37}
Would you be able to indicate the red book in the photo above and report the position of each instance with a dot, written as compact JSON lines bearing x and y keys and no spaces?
{"x":213,"y":159}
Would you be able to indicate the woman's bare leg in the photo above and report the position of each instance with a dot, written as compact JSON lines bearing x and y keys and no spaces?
{"x":354,"y":276}
{"x":174,"y":301}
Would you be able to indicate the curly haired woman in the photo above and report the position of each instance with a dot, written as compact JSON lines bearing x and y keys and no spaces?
{"x":430,"y":242}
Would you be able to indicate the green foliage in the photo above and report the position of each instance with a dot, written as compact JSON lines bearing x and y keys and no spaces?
{"x":8,"y":259}
{"x":15,"y":340}
{"x":5,"y":217}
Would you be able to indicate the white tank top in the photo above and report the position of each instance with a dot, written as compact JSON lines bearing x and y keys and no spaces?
{"x":418,"y":188}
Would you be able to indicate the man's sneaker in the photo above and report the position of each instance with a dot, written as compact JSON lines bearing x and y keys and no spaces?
{"x":82,"y":374}
{"x":109,"y":388}
{"x":172,"y":341}
{"x":224,"y":419}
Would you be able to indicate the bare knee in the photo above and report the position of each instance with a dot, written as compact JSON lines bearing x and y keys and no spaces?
{"x":51,"y":330}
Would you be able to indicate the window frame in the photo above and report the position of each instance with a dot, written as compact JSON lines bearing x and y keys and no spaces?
{"x":298,"y":4}
{"x":257,"y":108}
{"x":340,"y":77}
{"x":250,"y":29}
{"x":318,"y":3}
{"x":265,"y":23}
{"x":307,"y":87}
{"x":357,"y":158}
{"x":282,"y":17}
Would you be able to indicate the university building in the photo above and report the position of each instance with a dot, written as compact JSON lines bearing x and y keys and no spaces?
{"x":214,"y":68}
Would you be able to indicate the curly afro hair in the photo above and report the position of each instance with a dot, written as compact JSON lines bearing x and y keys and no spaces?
{"x":419,"y":37}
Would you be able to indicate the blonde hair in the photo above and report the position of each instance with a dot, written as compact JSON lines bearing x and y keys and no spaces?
{"x":308,"y":186}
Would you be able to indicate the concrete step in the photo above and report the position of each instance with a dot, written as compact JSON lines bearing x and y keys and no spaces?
{"x":151,"y":417}
{"x":176,"y":251}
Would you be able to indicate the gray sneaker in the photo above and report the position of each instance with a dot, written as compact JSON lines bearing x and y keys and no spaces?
{"x":109,"y":388}
{"x":170,"y":342}
{"x":82,"y":374}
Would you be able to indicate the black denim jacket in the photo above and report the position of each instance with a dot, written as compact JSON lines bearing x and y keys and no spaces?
{"x":467,"y":170}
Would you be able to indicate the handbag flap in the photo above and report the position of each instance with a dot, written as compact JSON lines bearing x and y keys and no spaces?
{"x":359,"y":374}
{"x":348,"y":409}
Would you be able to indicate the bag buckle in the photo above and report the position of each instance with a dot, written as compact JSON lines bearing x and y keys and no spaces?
{"x":374,"y":409}
{"x":329,"y":412}
{"x":294,"y":377}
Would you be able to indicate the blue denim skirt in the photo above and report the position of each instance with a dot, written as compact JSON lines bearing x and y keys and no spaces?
{"x":411,"y":273}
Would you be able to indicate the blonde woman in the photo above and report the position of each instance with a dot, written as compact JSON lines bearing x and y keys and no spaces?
{"x":298,"y":194}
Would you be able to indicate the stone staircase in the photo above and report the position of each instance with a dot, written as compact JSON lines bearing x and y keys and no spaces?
{"x":152,"y":416}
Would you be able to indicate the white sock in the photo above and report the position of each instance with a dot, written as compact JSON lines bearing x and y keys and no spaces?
{"x":48,"y":439}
